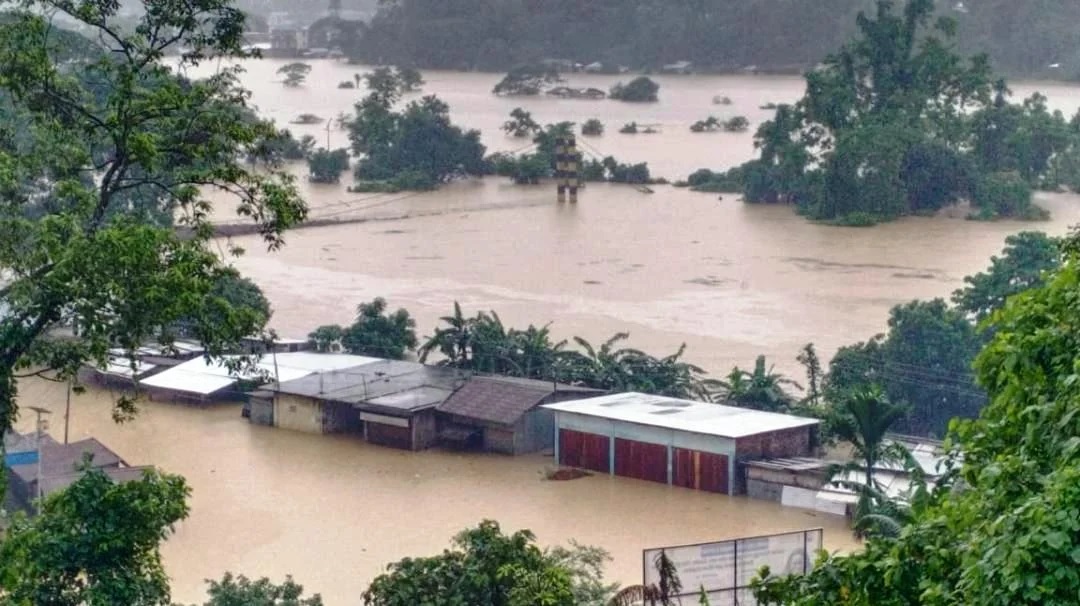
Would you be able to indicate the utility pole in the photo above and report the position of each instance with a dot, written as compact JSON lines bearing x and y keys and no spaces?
{"x":40,"y":426}
{"x":67,"y":412}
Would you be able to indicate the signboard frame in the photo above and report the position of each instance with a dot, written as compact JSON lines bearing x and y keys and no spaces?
{"x":731,"y":593}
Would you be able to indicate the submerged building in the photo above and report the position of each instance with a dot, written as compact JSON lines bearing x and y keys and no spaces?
{"x":676,"y":442}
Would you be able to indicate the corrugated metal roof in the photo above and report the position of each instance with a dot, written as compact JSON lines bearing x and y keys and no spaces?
{"x":502,"y":400}
{"x":683,"y":415}
{"x":392,"y":386}
{"x":201,"y":377}
{"x":51,"y":484}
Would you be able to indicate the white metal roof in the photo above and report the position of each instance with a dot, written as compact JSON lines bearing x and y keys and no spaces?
{"x":201,"y":377}
{"x":122,"y":368}
{"x":683,"y":415}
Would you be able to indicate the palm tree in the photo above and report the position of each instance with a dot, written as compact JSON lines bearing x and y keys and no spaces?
{"x":881,"y":515}
{"x":454,"y":341}
{"x":866,"y":416}
{"x":762,"y":389}
{"x":605,"y":367}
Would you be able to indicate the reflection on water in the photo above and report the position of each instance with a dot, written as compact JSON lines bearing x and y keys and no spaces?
{"x":333,"y":511}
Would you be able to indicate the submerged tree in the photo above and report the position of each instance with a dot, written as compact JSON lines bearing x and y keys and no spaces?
{"x":1026,"y":259}
{"x":379,"y":333}
{"x":326,"y":166}
{"x":640,"y":90}
{"x":294,"y":73}
{"x":521,"y":124}
{"x":241,"y":591}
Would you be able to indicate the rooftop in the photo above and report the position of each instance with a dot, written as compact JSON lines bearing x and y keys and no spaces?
{"x":683,"y":415}
{"x":60,"y":459}
{"x":392,"y":386}
{"x":203,"y":377}
{"x":501,"y":400}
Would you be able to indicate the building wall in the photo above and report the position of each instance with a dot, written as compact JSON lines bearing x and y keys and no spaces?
{"x":262,"y":411}
{"x":388,"y":435}
{"x":671,"y":440}
{"x":298,"y":413}
{"x":535,"y":431}
{"x":794,"y":442}
{"x":339,"y":417}
{"x":424,"y":429}
{"x":500,"y":439}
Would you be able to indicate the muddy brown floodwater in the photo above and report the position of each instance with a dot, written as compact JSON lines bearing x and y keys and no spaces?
{"x":730,"y":280}
{"x":333,"y":511}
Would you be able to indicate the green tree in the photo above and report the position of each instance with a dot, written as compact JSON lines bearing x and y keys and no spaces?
{"x":410,"y":79}
{"x":867,"y":417}
{"x":326,"y":166}
{"x":639,"y":90}
{"x":231,"y":295}
{"x":1027,"y":257}
{"x":453,"y":341}
{"x":88,"y":259}
{"x":242,"y":591}
{"x":378,"y":333}
{"x":592,"y":128}
{"x":1008,"y":535}
{"x":384,"y":84}
{"x":761,"y":389}
{"x":485,"y":566}
{"x":94,"y":543}
{"x":420,"y":141}
{"x":923,"y":362}
{"x":327,"y":338}
{"x":527,"y":80}
{"x":521,"y":124}
{"x":294,"y":73}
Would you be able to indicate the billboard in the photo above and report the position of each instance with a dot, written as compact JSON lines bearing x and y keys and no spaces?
{"x":725,"y":568}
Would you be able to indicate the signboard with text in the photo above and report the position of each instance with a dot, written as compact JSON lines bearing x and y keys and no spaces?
{"x":725,"y":568}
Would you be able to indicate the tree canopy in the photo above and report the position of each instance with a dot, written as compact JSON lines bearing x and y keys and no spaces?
{"x":74,"y":249}
{"x":1003,"y":530}
{"x":897,"y":122}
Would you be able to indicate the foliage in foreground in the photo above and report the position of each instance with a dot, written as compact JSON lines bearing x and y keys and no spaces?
{"x":74,"y":248}
{"x":1007,"y":532}
{"x":486,"y":566}
{"x":95,"y":543}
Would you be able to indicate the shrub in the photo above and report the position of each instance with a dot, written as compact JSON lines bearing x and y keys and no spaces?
{"x":639,"y":90}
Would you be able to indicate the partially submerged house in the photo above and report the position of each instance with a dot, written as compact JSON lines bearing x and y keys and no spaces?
{"x":60,"y":465}
{"x":808,"y":483}
{"x":388,"y":402}
{"x":503,"y":414}
{"x":204,"y":381}
{"x":678,"y":442}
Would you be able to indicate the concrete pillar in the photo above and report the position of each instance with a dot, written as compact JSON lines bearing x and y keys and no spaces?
{"x":670,"y":465}
{"x":558,"y":460}
{"x":611,"y":449}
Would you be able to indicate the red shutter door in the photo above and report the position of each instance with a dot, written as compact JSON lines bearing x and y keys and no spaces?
{"x":583,"y":450}
{"x":713,"y":472}
{"x":641,"y":460}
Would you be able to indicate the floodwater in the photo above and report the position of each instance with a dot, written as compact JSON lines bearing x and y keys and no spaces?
{"x":731,"y":281}
{"x":333,"y":511}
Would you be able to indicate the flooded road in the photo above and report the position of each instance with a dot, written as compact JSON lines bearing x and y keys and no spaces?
{"x":333,"y":511}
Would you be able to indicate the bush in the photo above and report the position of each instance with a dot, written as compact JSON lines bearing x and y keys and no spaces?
{"x":346,"y":84}
{"x":592,"y":128}
{"x":325,"y":166}
{"x":639,"y":90}
{"x":1003,"y":195}
{"x":629,"y":129}
{"x":374,"y":187}
{"x":737,"y":124}
{"x":415,"y":180}
{"x":700,"y":176}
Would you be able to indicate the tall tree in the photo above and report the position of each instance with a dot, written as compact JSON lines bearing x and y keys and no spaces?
{"x":379,"y":333}
{"x":1007,"y":534}
{"x":87,"y":259}
{"x":1026,"y":259}
{"x":761,"y":388}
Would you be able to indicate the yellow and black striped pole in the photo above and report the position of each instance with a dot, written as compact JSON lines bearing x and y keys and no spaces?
{"x":567,"y":167}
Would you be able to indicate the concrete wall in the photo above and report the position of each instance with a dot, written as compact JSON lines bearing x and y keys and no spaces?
{"x":794,"y":442}
{"x":298,"y":413}
{"x":262,"y":411}
{"x":339,"y":417}
{"x":424,"y":429}
{"x":501,"y":440}
{"x":535,"y":431}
